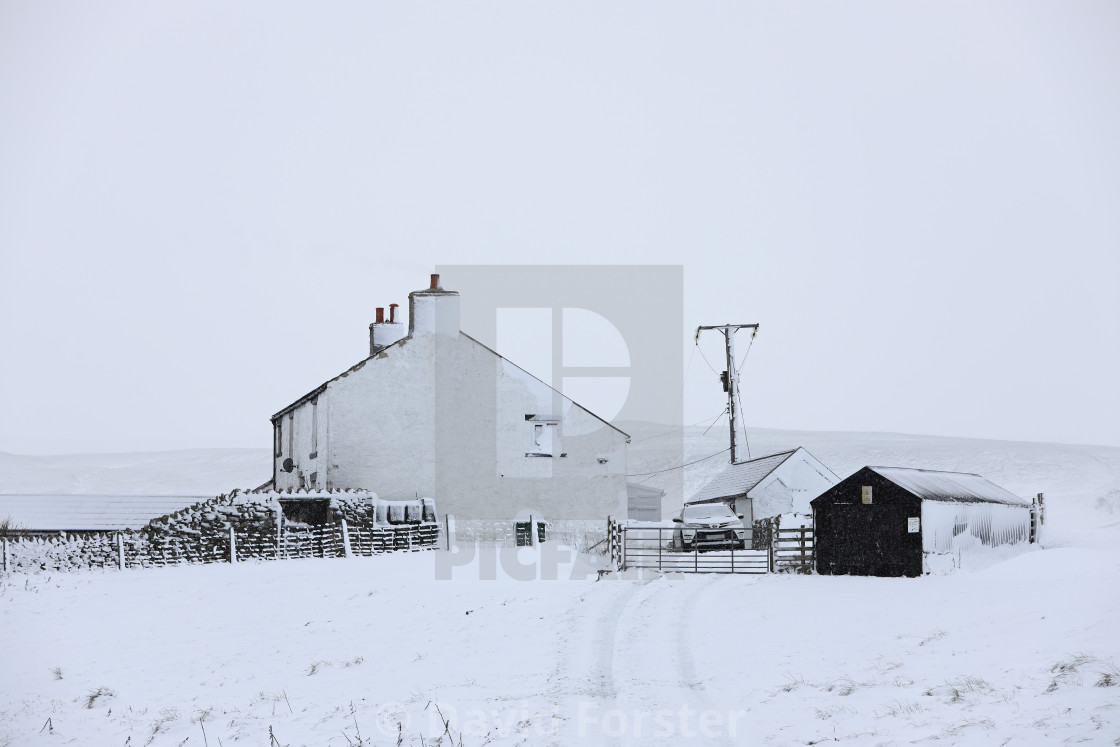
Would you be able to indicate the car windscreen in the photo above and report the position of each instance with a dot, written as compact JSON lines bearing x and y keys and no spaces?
{"x":707,"y":511}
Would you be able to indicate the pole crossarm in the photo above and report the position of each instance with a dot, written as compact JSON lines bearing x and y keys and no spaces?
{"x":729,"y":326}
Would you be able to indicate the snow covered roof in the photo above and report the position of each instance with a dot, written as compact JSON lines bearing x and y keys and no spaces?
{"x":948,"y":486}
{"x":739,"y":479}
{"x":50,"y":513}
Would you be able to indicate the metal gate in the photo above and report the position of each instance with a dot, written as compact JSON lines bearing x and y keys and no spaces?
{"x":658,"y":548}
{"x":653,"y":547}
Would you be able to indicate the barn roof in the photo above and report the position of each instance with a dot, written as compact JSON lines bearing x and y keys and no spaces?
{"x":52,"y":513}
{"x":948,"y":486}
{"x":740,"y":478}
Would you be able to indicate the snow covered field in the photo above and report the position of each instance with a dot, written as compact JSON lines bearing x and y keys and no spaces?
{"x":373,"y":651}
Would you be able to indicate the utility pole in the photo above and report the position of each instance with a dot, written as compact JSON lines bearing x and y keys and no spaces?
{"x":730,"y":377}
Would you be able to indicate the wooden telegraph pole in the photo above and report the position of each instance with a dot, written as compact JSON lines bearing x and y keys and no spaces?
{"x":730,"y":377}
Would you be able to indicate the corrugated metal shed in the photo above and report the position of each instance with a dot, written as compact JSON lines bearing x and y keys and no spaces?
{"x":739,"y":479}
{"x":53,"y":513}
{"x":948,"y":486}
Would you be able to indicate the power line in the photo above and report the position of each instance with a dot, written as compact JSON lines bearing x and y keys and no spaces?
{"x":705,"y":357}
{"x":749,"y":346}
{"x":683,"y":427}
{"x":739,"y":393}
{"x":682,"y":466}
{"x":746,"y":439}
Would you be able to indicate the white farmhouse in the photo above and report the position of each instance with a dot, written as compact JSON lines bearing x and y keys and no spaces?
{"x":769,"y":486}
{"x":435,"y":413}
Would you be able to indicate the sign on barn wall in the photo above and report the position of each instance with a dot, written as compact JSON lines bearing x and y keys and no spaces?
{"x":913,"y":523}
{"x":867,"y":494}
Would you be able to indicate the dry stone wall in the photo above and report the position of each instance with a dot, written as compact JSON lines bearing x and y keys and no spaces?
{"x":255,"y":523}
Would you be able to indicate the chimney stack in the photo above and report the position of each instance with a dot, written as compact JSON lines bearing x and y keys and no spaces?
{"x":433,"y":311}
{"x":384,"y":333}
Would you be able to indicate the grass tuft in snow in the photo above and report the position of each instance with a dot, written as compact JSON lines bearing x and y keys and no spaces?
{"x":57,"y":672}
{"x":792,"y":683}
{"x":94,"y":695}
{"x":936,"y":635}
{"x":1068,"y":671}
{"x":315,"y":665}
{"x":900,"y":708}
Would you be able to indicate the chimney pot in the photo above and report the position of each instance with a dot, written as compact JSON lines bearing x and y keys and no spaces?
{"x":393,"y":312}
{"x":380,"y":314}
{"x":435,"y":281}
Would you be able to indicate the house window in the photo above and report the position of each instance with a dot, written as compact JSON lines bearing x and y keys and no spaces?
{"x":278,"y":438}
{"x":314,"y":428}
{"x":542,"y":436}
{"x":292,"y":434}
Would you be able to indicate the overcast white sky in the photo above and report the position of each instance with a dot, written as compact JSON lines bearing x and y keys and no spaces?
{"x":201,"y":203}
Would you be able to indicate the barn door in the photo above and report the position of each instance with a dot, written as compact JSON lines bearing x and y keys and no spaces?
{"x":871,"y":540}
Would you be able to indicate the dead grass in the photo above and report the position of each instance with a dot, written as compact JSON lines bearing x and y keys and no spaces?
{"x":94,"y":695}
{"x":900,"y":708}
{"x":1068,"y":672}
{"x":10,"y":528}
{"x":792,"y":683}
{"x":936,"y":635}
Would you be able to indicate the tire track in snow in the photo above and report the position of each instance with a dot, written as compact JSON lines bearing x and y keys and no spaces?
{"x":583,"y":675}
{"x":653,"y":670}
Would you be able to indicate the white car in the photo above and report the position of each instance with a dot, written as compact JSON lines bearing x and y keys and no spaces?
{"x":709,"y":526}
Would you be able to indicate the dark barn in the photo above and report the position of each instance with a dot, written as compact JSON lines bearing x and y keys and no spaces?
{"x":892,"y":521}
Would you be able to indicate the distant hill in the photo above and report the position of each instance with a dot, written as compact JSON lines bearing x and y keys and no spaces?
{"x":190,"y":472}
{"x":1081,"y":482}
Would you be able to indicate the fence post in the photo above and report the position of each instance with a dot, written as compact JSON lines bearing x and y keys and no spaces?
{"x":232,"y":546}
{"x":345,"y":540}
{"x":120,"y":551}
{"x":610,"y":539}
{"x":447,"y":531}
{"x":5,"y":553}
{"x":532,"y":532}
{"x":770,"y":552}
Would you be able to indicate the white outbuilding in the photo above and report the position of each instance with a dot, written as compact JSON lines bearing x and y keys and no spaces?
{"x":769,"y":486}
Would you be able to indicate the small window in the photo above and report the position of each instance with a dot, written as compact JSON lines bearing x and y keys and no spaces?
{"x":278,"y":438}
{"x":314,"y":428}
{"x":292,"y":434}
{"x":542,"y":436}
{"x":867,"y":494}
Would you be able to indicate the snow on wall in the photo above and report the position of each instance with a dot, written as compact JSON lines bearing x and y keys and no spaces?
{"x":948,"y":527}
{"x":201,"y":533}
{"x":444,"y":416}
{"x":303,"y":439}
